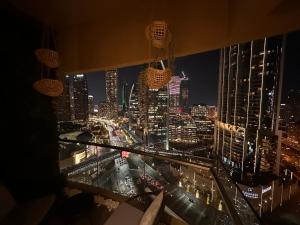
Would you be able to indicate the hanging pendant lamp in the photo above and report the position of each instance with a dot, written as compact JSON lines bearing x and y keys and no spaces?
{"x":158,"y":34}
{"x":157,"y":78}
{"x":159,"y":38}
{"x":49,"y":59}
{"x":49,"y":87}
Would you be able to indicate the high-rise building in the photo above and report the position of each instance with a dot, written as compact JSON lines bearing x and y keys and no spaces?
{"x":174,"y":93}
{"x":204,"y":125}
{"x":125,"y":97}
{"x":175,"y":127}
{"x":249,"y":98}
{"x":62,"y":103}
{"x":158,"y":115}
{"x":293,"y":113}
{"x":142,"y":97}
{"x":189,"y":133}
{"x":283,"y":119}
{"x":91,"y":104}
{"x":111,"y":81}
{"x":184,"y":93}
{"x":80,"y":92}
{"x":133,"y":111}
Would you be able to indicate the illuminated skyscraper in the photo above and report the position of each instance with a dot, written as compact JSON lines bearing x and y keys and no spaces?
{"x":133,"y":107}
{"x":111,"y":87}
{"x":248,"y":107}
{"x":184,"y":93}
{"x":62,"y":103}
{"x":80,"y":93}
{"x":91,"y":104}
{"x":142,"y":97}
{"x":174,"y":93}
{"x":205,"y":126}
{"x":283,"y":120}
{"x":293,"y":109}
{"x":125,"y":97}
{"x":157,"y":114}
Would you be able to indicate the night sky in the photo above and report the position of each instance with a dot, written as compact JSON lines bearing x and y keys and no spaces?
{"x":202,"y":70}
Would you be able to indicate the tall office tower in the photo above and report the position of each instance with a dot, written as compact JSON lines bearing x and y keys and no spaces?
{"x":62,"y":103}
{"x":174,"y":93}
{"x":80,"y":92}
{"x":204,"y":125}
{"x":175,"y":127}
{"x":133,"y":111}
{"x":125,"y":97}
{"x":184,"y":93}
{"x":111,"y":81}
{"x":91,"y":104}
{"x":248,"y":106}
{"x":142,"y":97}
{"x":189,"y":133}
{"x":283,"y":119}
{"x":293,"y":109}
{"x":158,"y":115}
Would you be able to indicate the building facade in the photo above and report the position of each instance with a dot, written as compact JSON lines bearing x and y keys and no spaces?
{"x":201,"y":115}
{"x":111,"y":88}
{"x":80,"y":94}
{"x":91,"y":104}
{"x":248,"y":106}
{"x":62,"y":103}
{"x":184,"y":93}
{"x":133,"y":110}
{"x":293,"y":113}
{"x":125,"y":97}
{"x":158,"y":115}
{"x":142,"y":89}
{"x":174,"y":93}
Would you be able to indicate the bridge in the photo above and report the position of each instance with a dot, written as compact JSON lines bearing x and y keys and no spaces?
{"x":91,"y":162}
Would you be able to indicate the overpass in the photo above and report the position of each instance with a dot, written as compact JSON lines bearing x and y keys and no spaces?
{"x":91,"y":163}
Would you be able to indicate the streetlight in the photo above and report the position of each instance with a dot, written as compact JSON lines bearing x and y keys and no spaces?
{"x":207,"y":199}
{"x":180,"y":184}
{"x":188,"y":188}
{"x":220,"y":207}
{"x":197,"y":194}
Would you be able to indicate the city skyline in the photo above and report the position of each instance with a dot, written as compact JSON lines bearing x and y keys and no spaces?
{"x":251,"y":130}
{"x":203,"y":72}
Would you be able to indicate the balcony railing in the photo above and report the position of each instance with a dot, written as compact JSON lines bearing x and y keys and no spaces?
{"x":196,"y":190}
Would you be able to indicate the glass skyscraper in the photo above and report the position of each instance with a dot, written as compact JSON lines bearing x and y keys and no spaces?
{"x":80,"y":92}
{"x":184,"y":93}
{"x":248,"y":106}
{"x":111,"y":87}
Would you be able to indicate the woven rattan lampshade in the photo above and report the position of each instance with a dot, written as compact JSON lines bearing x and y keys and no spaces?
{"x":49,"y":87}
{"x":48,"y":57}
{"x":157,"y":78}
{"x":158,"y":34}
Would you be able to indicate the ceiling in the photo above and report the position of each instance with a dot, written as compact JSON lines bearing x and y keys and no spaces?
{"x":95,"y":35}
